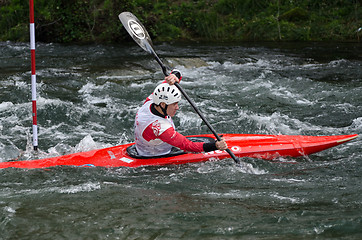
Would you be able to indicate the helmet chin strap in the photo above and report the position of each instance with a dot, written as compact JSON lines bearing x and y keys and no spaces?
{"x":164,"y":110}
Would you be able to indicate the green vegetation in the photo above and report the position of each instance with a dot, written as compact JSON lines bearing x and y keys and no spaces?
{"x":205,"y":20}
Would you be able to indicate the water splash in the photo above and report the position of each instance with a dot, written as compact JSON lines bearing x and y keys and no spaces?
{"x":248,"y":168}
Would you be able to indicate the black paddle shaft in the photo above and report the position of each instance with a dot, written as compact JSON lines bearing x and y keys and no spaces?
{"x":139,"y":34}
{"x":205,"y":121}
{"x":164,"y":70}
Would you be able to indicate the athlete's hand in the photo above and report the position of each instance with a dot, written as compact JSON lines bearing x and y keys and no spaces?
{"x":175,"y":76}
{"x":171,"y":79}
{"x":221,"y":145}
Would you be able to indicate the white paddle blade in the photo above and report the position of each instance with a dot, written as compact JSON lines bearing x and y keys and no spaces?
{"x":137,"y":31}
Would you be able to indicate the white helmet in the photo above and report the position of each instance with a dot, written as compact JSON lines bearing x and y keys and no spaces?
{"x":166,"y":93}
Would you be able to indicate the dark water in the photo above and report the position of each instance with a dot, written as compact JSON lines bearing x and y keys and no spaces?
{"x":88,"y":97}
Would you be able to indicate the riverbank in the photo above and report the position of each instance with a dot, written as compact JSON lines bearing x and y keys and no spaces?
{"x":84,"y":21}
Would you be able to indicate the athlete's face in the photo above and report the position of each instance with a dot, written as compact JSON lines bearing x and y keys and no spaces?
{"x":172,"y":109}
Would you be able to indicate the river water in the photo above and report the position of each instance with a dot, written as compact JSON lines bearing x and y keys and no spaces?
{"x":88,"y":97}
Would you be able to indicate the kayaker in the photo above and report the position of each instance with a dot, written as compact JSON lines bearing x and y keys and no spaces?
{"x":155,"y":132}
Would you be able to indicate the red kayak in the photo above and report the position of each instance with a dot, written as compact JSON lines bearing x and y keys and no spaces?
{"x":266,"y":147}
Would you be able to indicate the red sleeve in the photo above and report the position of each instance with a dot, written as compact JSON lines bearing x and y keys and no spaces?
{"x":178,"y":140}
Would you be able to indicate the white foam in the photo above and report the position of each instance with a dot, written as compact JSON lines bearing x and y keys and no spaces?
{"x":249,"y":168}
{"x":6,"y":105}
{"x":90,"y":90}
{"x":9,"y":209}
{"x":86,"y":187}
{"x":287,"y":199}
{"x":60,"y":72}
{"x":337,"y":63}
{"x":234,"y":194}
{"x":189,"y":120}
{"x":72,"y":189}
{"x":86,"y":144}
{"x":144,"y":84}
{"x":289,"y":180}
{"x":20,"y":47}
{"x":356,"y":125}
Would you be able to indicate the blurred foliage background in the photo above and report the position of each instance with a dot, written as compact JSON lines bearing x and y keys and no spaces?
{"x":84,"y":21}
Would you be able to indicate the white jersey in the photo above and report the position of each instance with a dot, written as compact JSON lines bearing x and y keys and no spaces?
{"x":145,"y":119}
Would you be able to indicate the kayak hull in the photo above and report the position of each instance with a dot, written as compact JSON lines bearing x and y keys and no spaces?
{"x":266,"y":147}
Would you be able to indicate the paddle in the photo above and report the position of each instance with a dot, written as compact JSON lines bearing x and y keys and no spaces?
{"x":139,"y":34}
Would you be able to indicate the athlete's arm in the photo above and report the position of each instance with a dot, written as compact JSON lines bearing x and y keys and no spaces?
{"x":180,"y":141}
